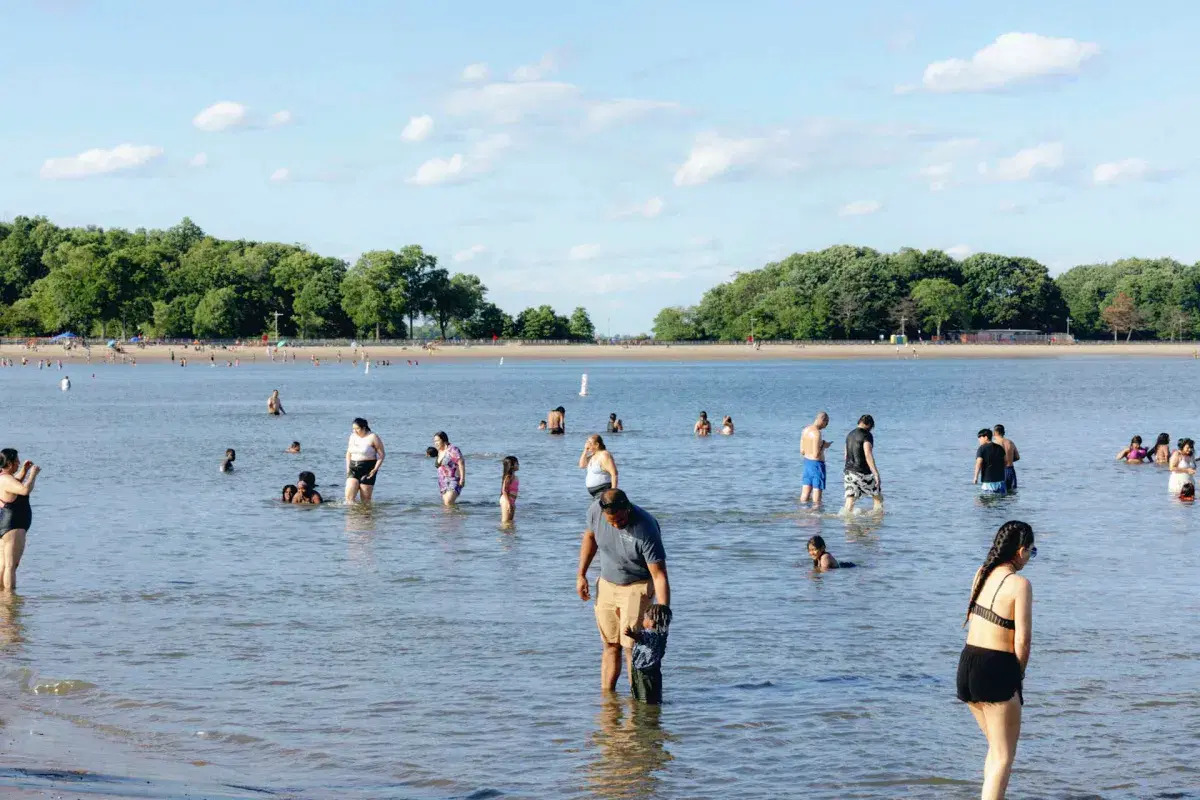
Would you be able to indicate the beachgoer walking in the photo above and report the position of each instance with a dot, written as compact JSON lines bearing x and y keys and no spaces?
{"x":274,"y":404}
{"x":861,"y":475}
{"x":1011,"y":457}
{"x":615,"y":425}
{"x":989,"y":465}
{"x":812,"y":449}
{"x":451,"y":468}
{"x":556,"y":420}
{"x":650,"y":645}
{"x":510,"y":487}
{"x":1183,"y":466}
{"x":364,"y":457}
{"x":702,"y":427}
{"x":633,"y":575}
{"x":991,"y":669}
{"x":1135,"y":453}
{"x":1161,"y":452}
{"x":16,"y":484}
{"x":601,"y":468}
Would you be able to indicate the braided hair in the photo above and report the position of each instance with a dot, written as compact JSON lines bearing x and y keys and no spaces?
{"x":1011,"y":537}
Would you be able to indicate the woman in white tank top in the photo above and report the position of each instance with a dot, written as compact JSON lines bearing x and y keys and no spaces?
{"x":601,"y":468}
{"x":364,"y":457}
{"x":1183,"y":466}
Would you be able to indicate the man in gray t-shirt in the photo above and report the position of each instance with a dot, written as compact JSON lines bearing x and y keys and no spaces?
{"x":633,"y":574}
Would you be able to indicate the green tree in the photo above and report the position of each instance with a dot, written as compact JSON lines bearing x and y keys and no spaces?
{"x":173,"y":318}
{"x":216,"y":314}
{"x":580,"y":326}
{"x":317,"y":308}
{"x":488,"y":321}
{"x":676,"y":324}
{"x":455,"y":299}
{"x":1012,"y":292}
{"x":421,"y":276}
{"x":374,"y":293}
{"x":939,"y":301}
{"x":542,"y":323}
{"x":1121,"y":314}
{"x":73,"y":295}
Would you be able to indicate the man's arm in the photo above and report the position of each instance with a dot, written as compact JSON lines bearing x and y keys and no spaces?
{"x":978,"y":469}
{"x":662,"y":584}
{"x":1016,"y":453}
{"x":587,"y":551}
{"x":869,"y":452}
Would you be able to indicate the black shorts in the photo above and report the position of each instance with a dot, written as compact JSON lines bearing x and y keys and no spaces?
{"x":988,"y":676}
{"x":15,"y":516}
{"x":557,"y":432}
{"x":595,"y":491}
{"x":647,"y":685}
{"x":361,"y":472}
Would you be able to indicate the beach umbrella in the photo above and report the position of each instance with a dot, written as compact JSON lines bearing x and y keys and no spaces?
{"x":63,"y":335}
{"x":282,"y":343}
{"x":136,"y":339}
{"x":112,"y":343}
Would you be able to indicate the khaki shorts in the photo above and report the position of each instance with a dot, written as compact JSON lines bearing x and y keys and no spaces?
{"x":619,"y":607}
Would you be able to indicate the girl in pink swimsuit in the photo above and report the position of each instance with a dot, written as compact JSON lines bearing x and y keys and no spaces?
{"x":510,"y":486}
{"x":1135,"y":453}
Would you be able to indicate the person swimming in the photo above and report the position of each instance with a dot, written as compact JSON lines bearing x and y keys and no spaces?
{"x":288,"y":493}
{"x":230,"y":457}
{"x":615,"y":425}
{"x":1134,"y":453}
{"x":557,"y":421}
{"x":822,"y":559}
{"x":306,"y":490}
{"x":1161,"y":452}
{"x":293,"y":448}
{"x":727,"y":426}
{"x":541,"y":427}
{"x":1188,"y":493}
{"x":702,"y":427}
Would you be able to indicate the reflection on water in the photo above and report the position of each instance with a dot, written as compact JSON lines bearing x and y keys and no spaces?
{"x":411,"y":650}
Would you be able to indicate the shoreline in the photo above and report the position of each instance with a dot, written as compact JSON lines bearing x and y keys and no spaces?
{"x":257,"y":353}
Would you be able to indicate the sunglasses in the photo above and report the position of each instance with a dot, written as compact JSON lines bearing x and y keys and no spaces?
{"x":1033,"y":552}
{"x":613,"y":506}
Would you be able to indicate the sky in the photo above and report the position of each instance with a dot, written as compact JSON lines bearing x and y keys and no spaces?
{"x":623,"y":156}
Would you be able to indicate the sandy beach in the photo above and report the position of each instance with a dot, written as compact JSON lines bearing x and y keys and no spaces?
{"x":596,"y":352}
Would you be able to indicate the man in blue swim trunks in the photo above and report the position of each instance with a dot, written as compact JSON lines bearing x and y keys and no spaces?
{"x":813,"y":448}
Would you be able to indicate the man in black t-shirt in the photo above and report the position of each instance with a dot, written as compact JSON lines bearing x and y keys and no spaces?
{"x":989,"y":465}
{"x":861,"y":476}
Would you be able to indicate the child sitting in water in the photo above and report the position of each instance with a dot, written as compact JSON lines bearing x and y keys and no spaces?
{"x":306,"y":492}
{"x":510,"y":485}
{"x":227,"y":464}
{"x":1188,"y":493}
{"x":648,"y":651}
{"x":822,"y":559}
{"x":288,"y":493}
{"x":294,"y":448}
{"x":542,"y":425}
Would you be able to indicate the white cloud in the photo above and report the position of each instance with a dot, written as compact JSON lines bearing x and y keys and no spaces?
{"x":460,"y":167}
{"x":959,"y":251}
{"x":1027,"y":163}
{"x":470,"y":253}
{"x":860,"y":208}
{"x":1012,"y":58}
{"x":1126,"y":170}
{"x":536,"y":72}
{"x":611,"y":112}
{"x":713,"y":155}
{"x":508,"y":103}
{"x":221,"y":116}
{"x":280,"y":174}
{"x":938,"y":175}
{"x":475,"y":72}
{"x":418,"y":129}
{"x":199,"y":160}
{"x":584,"y":252}
{"x":280,"y":118}
{"x":649,"y":209}
{"x":100,"y":162}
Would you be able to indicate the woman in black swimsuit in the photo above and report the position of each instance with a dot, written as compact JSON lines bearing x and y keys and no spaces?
{"x":16,"y":484}
{"x":992,"y":665}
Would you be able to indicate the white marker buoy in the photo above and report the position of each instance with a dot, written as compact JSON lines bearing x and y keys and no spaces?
{"x":583,"y":386}
{"x":367,"y":371}
{"x":502,"y":361}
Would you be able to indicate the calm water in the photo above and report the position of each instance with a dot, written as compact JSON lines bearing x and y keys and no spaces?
{"x":412,"y":651}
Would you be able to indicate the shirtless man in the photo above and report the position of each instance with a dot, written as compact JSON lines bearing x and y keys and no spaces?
{"x":1011,"y":456}
{"x":274,"y":404}
{"x":813,"y":448}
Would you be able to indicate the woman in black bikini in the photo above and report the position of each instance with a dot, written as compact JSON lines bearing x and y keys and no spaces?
{"x":16,"y":484}
{"x":992,"y":665}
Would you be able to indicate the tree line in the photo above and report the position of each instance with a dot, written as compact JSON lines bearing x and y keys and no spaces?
{"x":183,"y":283}
{"x":848,"y":292}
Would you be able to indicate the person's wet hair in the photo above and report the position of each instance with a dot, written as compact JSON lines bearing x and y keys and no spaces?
{"x":442,"y":437}
{"x":1136,"y":440}
{"x":362,"y":423}
{"x":288,"y":493}
{"x":296,"y":445}
{"x":230,"y":454}
{"x":431,"y":452}
{"x":9,"y":458}
{"x":613,"y":416}
{"x":308,"y":478}
{"x":509,"y":465}
{"x":703,"y":415}
{"x":1187,"y":443}
{"x":1011,"y":537}
{"x":817,"y":542}
{"x":599,"y":442}
{"x":868,"y":420}
{"x":998,"y":428}
{"x":984,"y":433}
{"x":660,"y":617}
{"x":1163,"y":438}
{"x":561,"y":410}
{"x":1188,"y":492}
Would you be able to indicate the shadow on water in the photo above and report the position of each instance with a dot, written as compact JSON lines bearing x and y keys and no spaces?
{"x":629,"y":743}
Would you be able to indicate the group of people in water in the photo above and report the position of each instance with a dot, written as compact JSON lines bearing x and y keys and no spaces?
{"x":1181,"y":462}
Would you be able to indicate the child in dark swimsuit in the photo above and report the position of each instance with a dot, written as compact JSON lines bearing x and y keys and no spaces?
{"x":823,"y":560}
{"x":648,"y":651}
{"x":230,"y":457}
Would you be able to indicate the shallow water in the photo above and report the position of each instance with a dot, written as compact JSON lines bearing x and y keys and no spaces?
{"x":413,"y":651}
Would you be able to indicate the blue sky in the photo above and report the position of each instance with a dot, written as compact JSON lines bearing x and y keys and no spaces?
{"x":622,"y":156}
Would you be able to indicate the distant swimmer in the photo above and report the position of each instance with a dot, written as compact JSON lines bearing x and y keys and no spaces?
{"x":727,"y":426}
{"x":65,"y":384}
{"x":812,"y":449}
{"x":601,"y":468}
{"x":288,"y":493}
{"x":989,"y":465}
{"x":992,"y":665}
{"x":861,"y":475}
{"x":1135,"y":453}
{"x":510,"y":487}
{"x":702,"y":427}
{"x":615,"y":425}
{"x":306,"y":490}
{"x":293,"y":448}
{"x":17,"y":480}
{"x":1161,"y":452}
{"x":1183,"y":466}
{"x":364,"y":457}
{"x":556,"y":420}
{"x":542,"y":425}
{"x":1011,"y":457}
{"x":230,"y":457}
{"x":822,"y":559}
{"x":452,"y":469}
{"x":274,"y":404}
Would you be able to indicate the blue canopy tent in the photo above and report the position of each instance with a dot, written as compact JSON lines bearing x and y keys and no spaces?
{"x":136,"y":339}
{"x":63,"y":335}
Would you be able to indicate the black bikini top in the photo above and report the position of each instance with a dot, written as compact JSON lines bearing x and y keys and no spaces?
{"x":990,"y":615}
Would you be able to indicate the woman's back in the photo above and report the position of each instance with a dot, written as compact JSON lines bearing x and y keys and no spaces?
{"x":999,"y":595}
